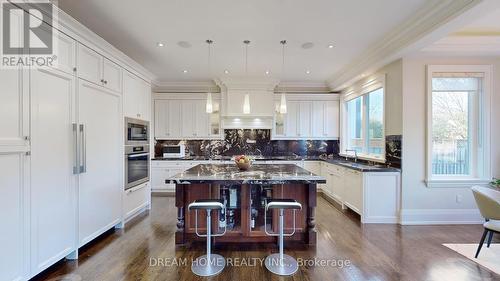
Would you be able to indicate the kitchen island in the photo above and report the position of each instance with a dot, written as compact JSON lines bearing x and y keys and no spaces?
{"x":245,"y":194}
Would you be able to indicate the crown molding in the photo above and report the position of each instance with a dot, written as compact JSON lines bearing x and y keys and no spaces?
{"x":262,"y":84}
{"x":476,"y":45}
{"x":405,"y":38}
{"x":76,"y":30}
{"x":185,"y":87}
{"x":303,"y":87}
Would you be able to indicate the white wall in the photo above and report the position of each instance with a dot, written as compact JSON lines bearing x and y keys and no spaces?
{"x":421,"y":204}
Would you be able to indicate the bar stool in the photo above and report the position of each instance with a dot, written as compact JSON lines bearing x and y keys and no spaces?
{"x":280,"y":263}
{"x":209,"y":264}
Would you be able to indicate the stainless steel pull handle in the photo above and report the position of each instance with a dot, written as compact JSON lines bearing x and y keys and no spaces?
{"x":75,"y":145}
{"x":83,"y":143}
{"x":138,"y":155}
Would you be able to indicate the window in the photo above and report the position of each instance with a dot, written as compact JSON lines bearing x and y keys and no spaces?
{"x":364,"y":122}
{"x":456,"y":127}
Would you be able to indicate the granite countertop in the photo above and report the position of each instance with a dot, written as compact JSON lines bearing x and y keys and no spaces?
{"x":257,"y":174}
{"x":336,"y":161}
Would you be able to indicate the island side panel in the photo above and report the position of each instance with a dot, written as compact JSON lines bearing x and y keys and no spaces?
{"x":311,"y":234}
{"x":179,"y":203}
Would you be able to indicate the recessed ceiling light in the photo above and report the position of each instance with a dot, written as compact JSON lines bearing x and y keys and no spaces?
{"x":184,"y":71}
{"x":160,"y":44}
{"x":267,"y":72}
{"x":226,"y":71}
{"x":184,"y":44}
{"x":308,"y":72}
{"x":307,"y":45}
{"x":330,"y":46}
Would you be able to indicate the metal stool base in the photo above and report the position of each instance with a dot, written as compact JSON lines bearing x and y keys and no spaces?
{"x":202,"y":267}
{"x":288,"y":266}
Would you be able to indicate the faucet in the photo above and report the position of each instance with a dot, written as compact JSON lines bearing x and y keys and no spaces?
{"x":355,"y":154}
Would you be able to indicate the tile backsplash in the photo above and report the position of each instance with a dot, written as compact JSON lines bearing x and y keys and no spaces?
{"x":253,"y":142}
{"x":258,"y":142}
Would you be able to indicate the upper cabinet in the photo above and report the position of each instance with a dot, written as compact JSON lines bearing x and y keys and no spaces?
{"x":136,"y":97}
{"x":178,"y":117}
{"x":97,"y":69}
{"x":308,"y":117}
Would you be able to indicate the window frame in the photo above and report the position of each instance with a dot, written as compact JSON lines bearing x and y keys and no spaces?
{"x":363,"y":89}
{"x":481,"y":127}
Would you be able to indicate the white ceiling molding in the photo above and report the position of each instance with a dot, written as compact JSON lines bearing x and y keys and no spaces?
{"x":431,"y":23}
{"x":302,"y":87}
{"x":71,"y":27}
{"x":185,"y":87}
{"x":257,"y":84}
{"x":467,"y":45}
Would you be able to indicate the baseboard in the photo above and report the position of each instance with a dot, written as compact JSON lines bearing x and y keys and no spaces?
{"x":132,"y":214}
{"x":163,"y":193}
{"x":440,"y":216}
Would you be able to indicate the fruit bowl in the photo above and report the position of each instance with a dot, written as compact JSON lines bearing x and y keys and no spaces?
{"x":243,"y":162}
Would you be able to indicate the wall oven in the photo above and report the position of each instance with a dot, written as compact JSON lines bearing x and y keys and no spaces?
{"x":136,"y":165}
{"x":136,"y":132}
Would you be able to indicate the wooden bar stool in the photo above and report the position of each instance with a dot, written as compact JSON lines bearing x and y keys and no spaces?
{"x":280,"y":263}
{"x":209,"y":264}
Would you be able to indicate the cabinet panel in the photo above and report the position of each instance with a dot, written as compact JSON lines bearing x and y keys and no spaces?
{"x":354,"y":190}
{"x":131,"y":100}
{"x":112,"y":76}
{"x":305,"y":119}
{"x":291,"y":119}
{"x":64,"y":49}
{"x":101,"y":184}
{"x":13,"y":108}
{"x":202,"y":119}
{"x":188,"y":128}
{"x":161,"y":118}
{"x":318,"y":119}
{"x":332,"y":119}
{"x":174,"y":119}
{"x":89,"y":65}
{"x":145,"y":98}
{"x":13,"y":201}
{"x":53,"y":206}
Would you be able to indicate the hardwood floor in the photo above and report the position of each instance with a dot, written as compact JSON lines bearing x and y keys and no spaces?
{"x":375,"y":252}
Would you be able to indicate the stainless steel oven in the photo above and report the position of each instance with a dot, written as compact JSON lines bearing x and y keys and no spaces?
{"x":136,"y":165}
{"x":136,"y":132}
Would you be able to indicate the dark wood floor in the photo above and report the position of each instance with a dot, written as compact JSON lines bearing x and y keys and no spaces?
{"x":376,"y":252}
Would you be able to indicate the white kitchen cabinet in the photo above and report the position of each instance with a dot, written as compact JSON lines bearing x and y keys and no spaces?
{"x":14,"y":192}
{"x":305,"y":119}
{"x":162,"y":170}
{"x":95,"y":68}
{"x":53,"y":156}
{"x":354,"y":190}
{"x":314,"y":117}
{"x":194,"y":119}
{"x":325,"y":117}
{"x":136,"y":200}
{"x":136,"y":97}
{"x":101,"y":182}
{"x":65,"y":50}
{"x":14,"y":110}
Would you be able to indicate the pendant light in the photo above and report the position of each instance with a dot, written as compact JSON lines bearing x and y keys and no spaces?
{"x":209,"y":106}
{"x":283,"y":108}
{"x":246,"y":102}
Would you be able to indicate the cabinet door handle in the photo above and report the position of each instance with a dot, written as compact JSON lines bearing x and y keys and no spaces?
{"x":106,"y":82}
{"x":83,"y":143}
{"x":75,"y":145}
{"x":102,"y":81}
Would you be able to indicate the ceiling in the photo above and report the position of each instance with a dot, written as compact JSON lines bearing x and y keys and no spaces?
{"x":481,"y":37}
{"x":135,"y":27}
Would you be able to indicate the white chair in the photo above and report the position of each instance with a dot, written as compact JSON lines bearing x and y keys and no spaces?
{"x":488,"y":201}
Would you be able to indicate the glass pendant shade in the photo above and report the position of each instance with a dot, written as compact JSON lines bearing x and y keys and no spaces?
{"x":209,"y":106}
{"x":246,"y":104}
{"x":283,"y":103}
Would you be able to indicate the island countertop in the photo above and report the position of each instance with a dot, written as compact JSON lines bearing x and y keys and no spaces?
{"x":257,"y":174}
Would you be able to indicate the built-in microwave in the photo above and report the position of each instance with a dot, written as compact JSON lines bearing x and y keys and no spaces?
{"x":174,"y":151}
{"x":136,"y":132}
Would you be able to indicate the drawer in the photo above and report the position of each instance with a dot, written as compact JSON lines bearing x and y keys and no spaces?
{"x":166,"y":164}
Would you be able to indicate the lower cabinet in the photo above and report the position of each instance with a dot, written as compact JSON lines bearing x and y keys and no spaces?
{"x":14,"y":197}
{"x":375,"y":196}
{"x":136,"y":200}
